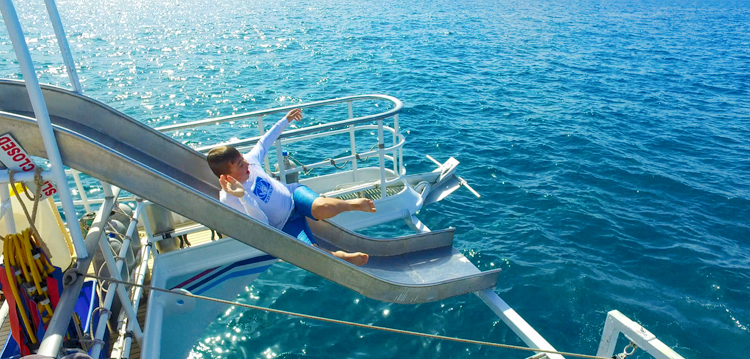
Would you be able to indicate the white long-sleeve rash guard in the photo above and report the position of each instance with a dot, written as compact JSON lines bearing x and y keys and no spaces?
{"x":266,"y":199}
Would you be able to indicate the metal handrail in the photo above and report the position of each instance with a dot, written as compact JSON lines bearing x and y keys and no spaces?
{"x":318,"y":131}
{"x":353,"y":121}
{"x":397,"y":146}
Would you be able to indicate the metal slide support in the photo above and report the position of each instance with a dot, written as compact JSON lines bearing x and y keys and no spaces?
{"x":73,"y":282}
{"x":147,"y":227}
{"x":114,"y":271}
{"x":62,"y":41}
{"x":107,"y":304}
{"x":618,"y":323}
{"x":505,"y":312}
{"x":137,"y":298}
{"x":45,"y":126}
{"x":352,"y":140}
{"x":110,"y":297}
{"x":515,"y":322}
{"x":381,"y":155}
{"x":107,"y":189}
{"x":414,"y":223}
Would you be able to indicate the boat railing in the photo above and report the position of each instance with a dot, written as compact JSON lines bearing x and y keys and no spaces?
{"x":351,"y":126}
{"x":84,"y":200}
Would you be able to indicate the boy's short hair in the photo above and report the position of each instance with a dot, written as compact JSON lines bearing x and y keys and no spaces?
{"x":220,"y":157}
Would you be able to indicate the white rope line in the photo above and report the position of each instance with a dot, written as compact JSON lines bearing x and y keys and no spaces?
{"x":329,"y":320}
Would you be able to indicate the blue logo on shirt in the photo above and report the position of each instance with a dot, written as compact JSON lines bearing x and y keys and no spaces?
{"x":262,"y":189}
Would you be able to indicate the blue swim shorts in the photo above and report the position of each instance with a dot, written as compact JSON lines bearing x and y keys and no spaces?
{"x":296,"y":225}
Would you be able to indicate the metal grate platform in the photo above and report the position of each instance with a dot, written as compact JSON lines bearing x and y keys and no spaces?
{"x":374,"y":193}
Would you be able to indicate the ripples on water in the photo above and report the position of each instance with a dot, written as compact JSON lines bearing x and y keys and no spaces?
{"x":609,"y":141}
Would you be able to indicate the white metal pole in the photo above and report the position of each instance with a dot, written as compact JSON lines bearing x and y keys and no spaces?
{"x":515,"y":322}
{"x":45,"y":126}
{"x":62,"y":41}
{"x":353,"y":142}
{"x":10,"y":223}
{"x":110,"y":297}
{"x":262,"y":131}
{"x":25,"y":176}
{"x":70,"y":65}
{"x":114,"y":271}
{"x":137,"y":299}
{"x":395,"y":142}
{"x":81,"y":190}
{"x":280,"y":162}
{"x":107,"y":188}
{"x":618,"y":323}
{"x":104,"y":317}
{"x":381,"y":155}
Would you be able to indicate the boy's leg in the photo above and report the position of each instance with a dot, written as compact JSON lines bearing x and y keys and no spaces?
{"x":296,"y":226}
{"x":324,"y":208}
{"x":310,"y":204}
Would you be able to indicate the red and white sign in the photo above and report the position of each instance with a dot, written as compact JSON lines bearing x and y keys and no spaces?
{"x":15,"y":158}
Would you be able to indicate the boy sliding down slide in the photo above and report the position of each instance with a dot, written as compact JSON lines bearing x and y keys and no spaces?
{"x":246,"y":187}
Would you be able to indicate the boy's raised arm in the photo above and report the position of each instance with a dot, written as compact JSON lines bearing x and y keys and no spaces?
{"x":260,"y":149}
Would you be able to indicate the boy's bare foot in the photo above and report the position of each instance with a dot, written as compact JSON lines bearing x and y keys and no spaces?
{"x":362,"y":204}
{"x":358,"y":258}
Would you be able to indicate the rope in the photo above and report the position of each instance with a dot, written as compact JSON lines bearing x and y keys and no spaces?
{"x":38,"y":195}
{"x":336,"y":321}
{"x":333,"y":163}
{"x":304,"y":168}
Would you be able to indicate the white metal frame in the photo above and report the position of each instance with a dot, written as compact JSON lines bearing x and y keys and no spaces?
{"x":618,"y":323}
{"x":115,"y":268}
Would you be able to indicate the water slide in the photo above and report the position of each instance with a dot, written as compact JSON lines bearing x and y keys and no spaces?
{"x":104,"y":143}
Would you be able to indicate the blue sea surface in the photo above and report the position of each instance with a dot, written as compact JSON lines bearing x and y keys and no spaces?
{"x":609,"y":141}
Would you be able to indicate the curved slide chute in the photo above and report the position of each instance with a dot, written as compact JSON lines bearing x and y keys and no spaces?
{"x":104,"y":143}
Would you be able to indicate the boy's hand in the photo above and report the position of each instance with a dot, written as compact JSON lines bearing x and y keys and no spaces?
{"x":294,"y":115}
{"x":231,"y":186}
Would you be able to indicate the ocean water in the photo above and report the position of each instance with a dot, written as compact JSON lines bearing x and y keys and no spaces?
{"x":609,"y":141}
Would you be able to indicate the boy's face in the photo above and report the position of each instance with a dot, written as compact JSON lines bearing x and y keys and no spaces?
{"x":239,"y":169}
